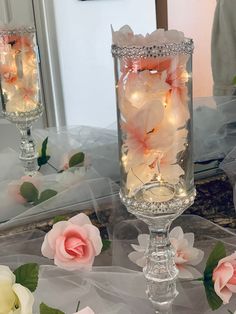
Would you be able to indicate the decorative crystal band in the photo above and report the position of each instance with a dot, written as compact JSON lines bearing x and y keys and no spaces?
{"x":158,"y":208}
{"x":17,"y":31}
{"x":164,"y":50}
{"x":19,"y":117}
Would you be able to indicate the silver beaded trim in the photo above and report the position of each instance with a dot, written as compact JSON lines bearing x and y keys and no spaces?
{"x":158,"y":208}
{"x":164,"y":50}
{"x":21,"y":117}
{"x":17,"y":31}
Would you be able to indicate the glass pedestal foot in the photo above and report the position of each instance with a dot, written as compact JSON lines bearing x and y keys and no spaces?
{"x":28,"y":152}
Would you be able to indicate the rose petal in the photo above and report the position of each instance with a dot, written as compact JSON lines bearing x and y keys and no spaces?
{"x":221,"y":276}
{"x":57,"y":230}
{"x":61,"y":250}
{"x":95,"y":238}
{"x":232,"y":288}
{"x":74,"y":264}
{"x":6,"y":275}
{"x":25,"y":298}
{"x":80,"y":220}
{"x":46,"y":249}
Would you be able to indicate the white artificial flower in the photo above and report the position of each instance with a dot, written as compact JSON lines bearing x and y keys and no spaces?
{"x":14,"y":298}
{"x":138,"y":256}
{"x":186,"y":256}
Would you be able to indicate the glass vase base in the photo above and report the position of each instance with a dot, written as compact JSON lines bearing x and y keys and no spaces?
{"x":141,"y":205}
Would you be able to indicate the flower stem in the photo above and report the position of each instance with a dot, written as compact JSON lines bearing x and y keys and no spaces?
{"x":198,"y":279}
{"x":77,"y":308}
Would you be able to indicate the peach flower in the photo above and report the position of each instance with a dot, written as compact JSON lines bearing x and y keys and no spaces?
{"x":19,"y":42}
{"x":73,"y":244}
{"x":9,"y":73}
{"x":14,"y":188}
{"x":224,"y":278}
{"x":86,"y":310}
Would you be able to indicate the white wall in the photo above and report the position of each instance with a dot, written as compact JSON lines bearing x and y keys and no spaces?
{"x":84,"y":40}
{"x":195,"y":19}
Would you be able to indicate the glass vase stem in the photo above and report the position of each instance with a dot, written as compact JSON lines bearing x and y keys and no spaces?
{"x":28,"y":153}
{"x":160,"y":270}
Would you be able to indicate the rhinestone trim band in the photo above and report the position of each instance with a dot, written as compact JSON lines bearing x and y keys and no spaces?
{"x":164,"y":50}
{"x":22,"y":117}
{"x":158,"y":208}
{"x":14,"y":31}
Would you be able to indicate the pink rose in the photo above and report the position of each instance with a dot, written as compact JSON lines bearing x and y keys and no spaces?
{"x":86,"y":310}
{"x":73,"y":244}
{"x":14,"y":188}
{"x":224,"y":277}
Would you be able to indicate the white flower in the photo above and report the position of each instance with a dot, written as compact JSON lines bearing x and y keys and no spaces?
{"x":186,"y":256}
{"x":14,"y":298}
{"x":125,"y":37}
{"x":86,"y":310}
{"x":138,"y":256}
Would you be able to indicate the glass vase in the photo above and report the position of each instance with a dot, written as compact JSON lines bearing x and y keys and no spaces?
{"x":20,"y":88}
{"x":154,"y":107}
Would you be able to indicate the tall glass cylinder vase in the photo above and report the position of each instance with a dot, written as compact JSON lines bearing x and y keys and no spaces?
{"x":20,"y":88}
{"x":154,"y":106}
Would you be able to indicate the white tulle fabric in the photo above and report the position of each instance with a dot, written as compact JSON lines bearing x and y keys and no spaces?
{"x":114,"y":287}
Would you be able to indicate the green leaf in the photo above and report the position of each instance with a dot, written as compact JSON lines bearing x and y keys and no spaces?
{"x":213,"y":299}
{"x":46,"y":195}
{"x":44,"y":309}
{"x":27,"y":275}
{"x":59,"y":218}
{"x":43,"y":158}
{"x":106,"y":244}
{"x":76,"y":159}
{"x":217,"y":254}
{"x":234,"y":80}
{"x":29,"y":192}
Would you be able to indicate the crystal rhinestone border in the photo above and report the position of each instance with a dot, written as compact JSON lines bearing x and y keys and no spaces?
{"x":164,"y":50}
{"x":14,"y":31}
{"x":158,"y":208}
{"x":19,"y":117}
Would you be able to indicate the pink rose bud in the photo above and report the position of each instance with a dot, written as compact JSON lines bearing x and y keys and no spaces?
{"x":73,"y":244}
{"x":14,"y":187}
{"x":224,"y":277}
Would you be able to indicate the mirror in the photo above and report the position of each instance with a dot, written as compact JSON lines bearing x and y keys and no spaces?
{"x":77,"y":68}
{"x":212,"y":26}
